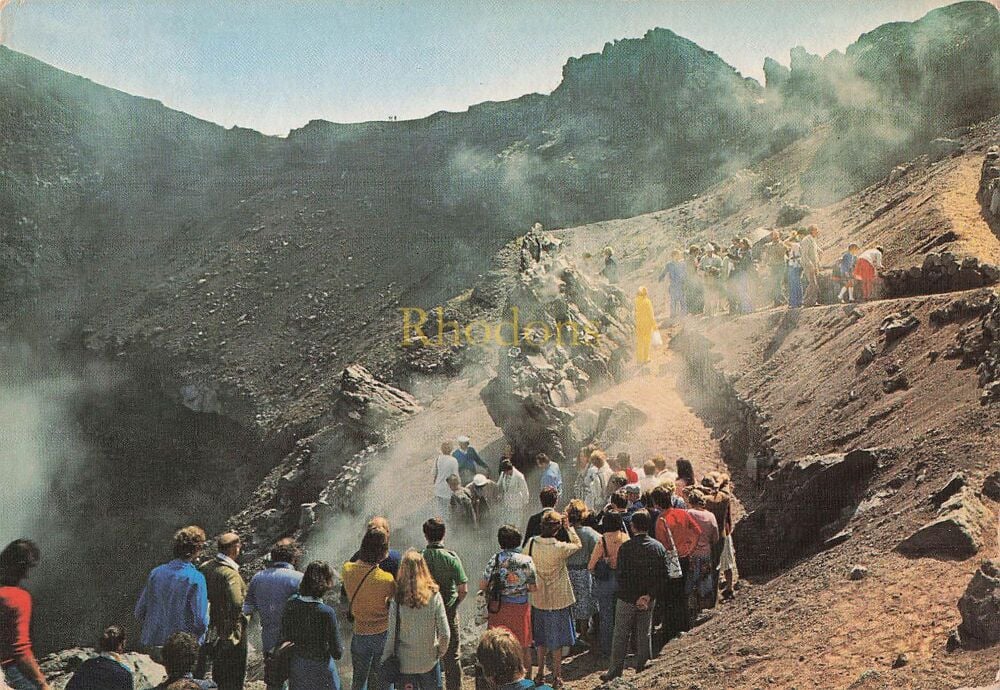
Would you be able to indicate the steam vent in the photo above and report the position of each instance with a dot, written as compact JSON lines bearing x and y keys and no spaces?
{"x":461,"y":345}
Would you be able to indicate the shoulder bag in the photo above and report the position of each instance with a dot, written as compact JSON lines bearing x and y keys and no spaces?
{"x":674,"y":571}
{"x":391,"y":667}
{"x":603,"y":569}
{"x":350,"y":602}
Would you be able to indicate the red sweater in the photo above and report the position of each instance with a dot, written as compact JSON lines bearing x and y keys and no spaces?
{"x":683,"y":529}
{"x":15,"y":624}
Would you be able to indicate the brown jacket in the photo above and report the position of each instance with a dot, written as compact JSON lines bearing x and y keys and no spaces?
{"x":226,"y":592}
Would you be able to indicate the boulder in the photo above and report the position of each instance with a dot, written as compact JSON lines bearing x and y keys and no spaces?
{"x":941,"y":148}
{"x":368,"y":407}
{"x":955,"y":483}
{"x":802,"y":501}
{"x":790,"y":214}
{"x":897,"y":325}
{"x":866,"y":356}
{"x":956,"y":532}
{"x":620,"y":422}
{"x":980,"y":605}
{"x":991,"y":486}
{"x":59,"y":668}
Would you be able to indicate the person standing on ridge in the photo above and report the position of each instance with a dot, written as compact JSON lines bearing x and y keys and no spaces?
{"x":270,"y":590}
{"x":610,"y":270}
{"x":645,"y":324}
{"x":809,"y":250}
{"x":676,"y":270}
{"x":514,"y":495}
{"x":444,"y":466}
{"x":846,"y":267}
{"x":468,"y":460}
{"x":448,"y":572}
{"x":175,"y":598}
{"x":866,"y":271}
{"x":20,"y":668}
{"x":225,"y":652}
{"x":794,"y":271}
{"x":774,"y":255}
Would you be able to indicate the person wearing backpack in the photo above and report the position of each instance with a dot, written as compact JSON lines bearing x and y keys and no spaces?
{"x":369,"y":589}
{"x":507,"y":580}
{"x":604,"y":566}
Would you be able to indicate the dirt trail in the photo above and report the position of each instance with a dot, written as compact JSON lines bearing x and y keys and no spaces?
{"x":958,"y":201}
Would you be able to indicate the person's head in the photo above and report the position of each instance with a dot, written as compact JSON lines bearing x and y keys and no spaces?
{"x":623,"y":461}
{"x":709,"y":482}
{"x":446,"y":448}
{"x":551,"y":522}
{"x":374,"y":546}
{"x":454,"y":482}
{"x":677,"y":255}
{"x":583,"y":456}
{"x":577,"y":512}
{"x":662,"y":497}
{"x":229,"y":544}
{"x":633,"y":492}
{"x":414,"y":584}
{"x":669,"y":484}
{"x":507,"y":467}
{"x":598,"y":459}
{"x":17,"y":558}
{"x":814,"y":230}
{"x":542,"y":460}
{"x":548,"y":497}
{"x":499,"y":655}
{"x":618,"y":481}
{"x":286,"y":550}
{"x":317,"y":580}
{"x":188,"y":542}
{"x":641,"y":521}
{"x":180,"y":654}
{"x":612,"y":522}
{"x":618,"y":500}
{"x":853,"y":248}
{"x":434,"y":530}
{"x":112,"y":639}
{"x":608,"y":251}
{"x":695,"y":497}
{"x":710,"y":249}
{"x":649,"y":468}
{"x":379,"y":522}
{"x":508,"y":537}
{"x":685,"y":470}
{"x":660,"y":463}
{"x":642,"y":292}
{"x":463,"y":442}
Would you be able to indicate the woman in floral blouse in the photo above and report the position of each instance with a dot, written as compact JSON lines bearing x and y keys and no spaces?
{"x":516,"y":574}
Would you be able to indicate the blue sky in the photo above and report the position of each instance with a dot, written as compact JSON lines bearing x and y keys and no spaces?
{"x":274,"y":66}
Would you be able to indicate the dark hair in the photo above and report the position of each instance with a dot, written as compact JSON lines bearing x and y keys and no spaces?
{"x":188,"y":541}
{"x":374,"y":545}
{"x":577,"y":511}
{"x":662,"y":497}
{"x":685,"y":470}
{"x":508,"y":537}
{"x":19,"y":556}
{"x":318,"y":579}
{"x":434,"y":530}
{"x":506,"y":464}
{"x":180,"y":654}
{"x":286,"y":551}
{"x":541,"y":457}
{"x":619,"y":499}
{"x":641,"y":520}
{"x":112,"y":639}
{"x":548,"y":497}
{"x":612,"y":522}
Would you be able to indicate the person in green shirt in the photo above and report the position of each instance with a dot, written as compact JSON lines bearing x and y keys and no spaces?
{"x":447,"y":571}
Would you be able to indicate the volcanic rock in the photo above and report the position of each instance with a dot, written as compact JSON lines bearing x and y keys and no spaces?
{"x":954,"y":484}
{"x":991,"y":486}
{"x":59,"y":668}
{"x":897,"y":325}
{"x":980,"y":605}
{"x":956,"y":532}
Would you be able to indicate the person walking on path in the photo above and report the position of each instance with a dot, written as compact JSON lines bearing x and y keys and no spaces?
{"x":810,"y":266}
{"x":645,"y":324}
{"x":445,"y":465}
{"x":514,"y":574}
{"x":676,"y":270}
{"x":175,"y":598}
{"x":500,"y":663}
{"x":469,"y":462}
{"x":448,"y":572}
{"x":610,"y":270}
{"x":20,"y":668}
{"x":642,"y":564}
{"x":514,"y":495}
{"x":311,"y":625}
{"x":679,"y":532}
{"x":866,"y":270}
{"x":794,"y":272}
{"x":845,"y":268}
{"x":551,"y":604}
{"x":225,"y":650}
{"x":604,"y":567}
{"x":108,"y":670}
{"x":774,"y":257}
{"x":369,"y":589}
{"x":419,"y":634}
{"x":701,"y":586}
{"x":270,"y":589}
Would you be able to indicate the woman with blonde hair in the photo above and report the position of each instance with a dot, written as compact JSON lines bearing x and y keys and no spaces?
{"x":645,"y":324}
{"x":418,"y":625}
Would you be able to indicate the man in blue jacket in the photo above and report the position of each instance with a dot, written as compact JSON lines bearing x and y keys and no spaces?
{"x":175,"y":598}
{"x":468,"y":459}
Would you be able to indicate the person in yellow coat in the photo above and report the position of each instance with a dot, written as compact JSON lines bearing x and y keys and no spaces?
{"x":645,"y":324}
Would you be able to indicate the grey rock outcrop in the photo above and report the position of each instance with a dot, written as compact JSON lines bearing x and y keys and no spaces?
{"x":956,"y":532}
{"x":939,"y":273}
{"x":59,"y":668}
{"x":820,"y":488}
{"x":980,"y":605}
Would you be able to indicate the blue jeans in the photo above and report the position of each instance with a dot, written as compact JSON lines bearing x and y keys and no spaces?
{"x":795,"y":286}
{"x":431,"y":680}
{"x":604,"y":592}
{"x":366,"y":660}
{"x":678,"y":304}
{"x":17,"y":680}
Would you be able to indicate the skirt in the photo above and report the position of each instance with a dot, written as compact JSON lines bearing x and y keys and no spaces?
{"x":516,"y":618}
{"x":583,"y":583}
{"x":552,"y":629}
{"x":864,"y":271}
{"x":728,"y":559}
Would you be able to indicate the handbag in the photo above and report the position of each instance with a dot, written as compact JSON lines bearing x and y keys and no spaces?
{"x":603,"y":569}
{"x":494,"y":588}
{"x":350,"y":602}
{"x":674,"y":571}
{"x":278,"y":664}
{"x":392,"y":668}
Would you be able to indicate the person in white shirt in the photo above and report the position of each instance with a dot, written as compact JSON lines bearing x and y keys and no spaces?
{"x":444,"y":466}
{"x":866,"y":271}
{"x":514,"y":494}
{"x":810,"y":258}
{"x":648,"y":481}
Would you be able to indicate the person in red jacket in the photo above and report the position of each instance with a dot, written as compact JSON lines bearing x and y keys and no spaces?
{"x":20,"y":668}
{"x":679,"y":532}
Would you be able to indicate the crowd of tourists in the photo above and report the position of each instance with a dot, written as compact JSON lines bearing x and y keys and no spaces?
{"x":620,"y":558}
{"x":776,"y":270}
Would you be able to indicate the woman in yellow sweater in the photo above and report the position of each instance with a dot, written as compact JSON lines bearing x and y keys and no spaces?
{"x":645,"y":324}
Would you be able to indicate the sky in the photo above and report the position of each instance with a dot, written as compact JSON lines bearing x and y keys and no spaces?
{"x":274,"y":66}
